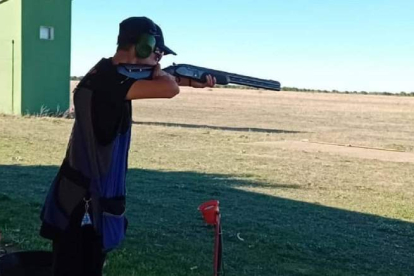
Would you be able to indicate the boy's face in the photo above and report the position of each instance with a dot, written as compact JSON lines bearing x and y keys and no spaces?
{"x":153,"y":59}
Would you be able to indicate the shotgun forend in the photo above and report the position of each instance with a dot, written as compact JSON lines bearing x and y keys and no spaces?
{"x":199,"y":74}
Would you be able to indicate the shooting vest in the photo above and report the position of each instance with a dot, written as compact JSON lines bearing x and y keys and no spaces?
{"x":95,"y":164}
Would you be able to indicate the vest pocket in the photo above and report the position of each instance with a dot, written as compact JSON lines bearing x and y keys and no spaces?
{"x":113,"y":221}
{"x":71,"y":187}
{"x":68,"y":195}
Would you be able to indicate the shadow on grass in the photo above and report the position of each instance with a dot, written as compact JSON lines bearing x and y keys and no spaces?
{"x":263,"y":235}
{"x":242,"y":129}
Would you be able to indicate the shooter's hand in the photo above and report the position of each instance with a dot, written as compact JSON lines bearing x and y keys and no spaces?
{"x":210,"y":82}
{"x":159,"y":73}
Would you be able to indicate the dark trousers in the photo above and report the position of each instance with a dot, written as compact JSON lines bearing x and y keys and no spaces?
{"x":78,"y":251}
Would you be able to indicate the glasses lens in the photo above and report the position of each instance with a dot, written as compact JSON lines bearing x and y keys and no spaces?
{"x":158,"y":51}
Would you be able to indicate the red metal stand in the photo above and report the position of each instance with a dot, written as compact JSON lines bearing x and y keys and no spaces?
{"x":211,"y":215}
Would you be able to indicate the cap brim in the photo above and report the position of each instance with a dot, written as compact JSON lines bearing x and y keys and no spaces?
{"x":167,"y":50}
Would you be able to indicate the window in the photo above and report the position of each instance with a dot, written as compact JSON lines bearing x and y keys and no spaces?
{"x":47,"y":33}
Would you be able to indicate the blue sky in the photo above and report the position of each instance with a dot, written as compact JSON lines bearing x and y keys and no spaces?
{"x":365,"y":45}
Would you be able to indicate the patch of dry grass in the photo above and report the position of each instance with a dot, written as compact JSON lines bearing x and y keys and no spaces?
{"x":302,"y":210}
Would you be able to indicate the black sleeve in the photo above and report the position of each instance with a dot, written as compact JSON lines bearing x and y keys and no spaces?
{"x":109,"y":106}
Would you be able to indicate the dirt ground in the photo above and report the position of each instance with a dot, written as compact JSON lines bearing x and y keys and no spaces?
{"x":357,"y":120}
{"x":362,"y":126}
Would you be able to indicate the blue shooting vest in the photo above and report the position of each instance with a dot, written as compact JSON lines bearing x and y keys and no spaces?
{"x":96,"y":159}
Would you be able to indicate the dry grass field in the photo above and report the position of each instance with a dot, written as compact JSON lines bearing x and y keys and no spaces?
{"x":314,"y":184}
{"x":325,"y":144}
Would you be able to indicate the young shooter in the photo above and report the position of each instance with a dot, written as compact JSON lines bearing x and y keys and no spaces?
{"x":84,"y":210}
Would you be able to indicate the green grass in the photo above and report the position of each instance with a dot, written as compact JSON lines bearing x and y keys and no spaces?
{"x":294,"y":212}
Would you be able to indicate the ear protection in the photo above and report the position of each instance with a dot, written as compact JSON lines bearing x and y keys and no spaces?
{"x":145,"y":45}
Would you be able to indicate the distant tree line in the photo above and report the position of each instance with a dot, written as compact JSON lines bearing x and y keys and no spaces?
{"x":402,"y":93}
{"x":296,"y":89}
{"x":76,"y":78}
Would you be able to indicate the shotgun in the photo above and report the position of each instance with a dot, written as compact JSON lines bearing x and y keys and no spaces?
{"x":198,"y":74}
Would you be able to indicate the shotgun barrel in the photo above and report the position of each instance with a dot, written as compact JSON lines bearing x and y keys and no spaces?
{"x":198,"y":74}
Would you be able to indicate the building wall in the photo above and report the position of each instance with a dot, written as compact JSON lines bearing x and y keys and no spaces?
{"x":46,"y":63}
{"x":10,"y":61}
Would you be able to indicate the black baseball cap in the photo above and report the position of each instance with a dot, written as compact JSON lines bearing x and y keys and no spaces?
{"x":131,"y":28}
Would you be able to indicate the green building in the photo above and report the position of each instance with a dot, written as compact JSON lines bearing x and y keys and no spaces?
{"x":34,"y":56}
